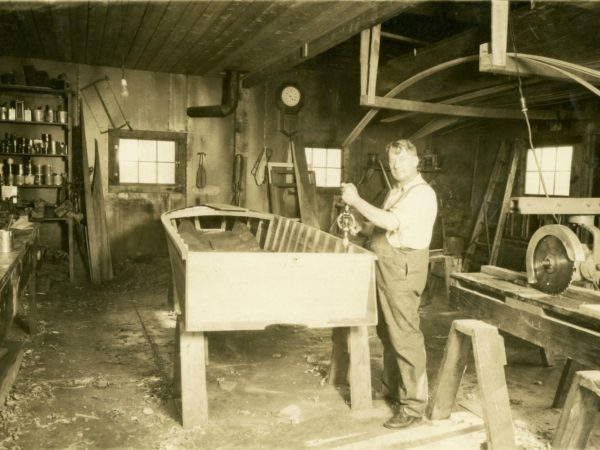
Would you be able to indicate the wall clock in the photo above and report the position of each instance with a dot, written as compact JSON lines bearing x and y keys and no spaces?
{"x":290,"y":98}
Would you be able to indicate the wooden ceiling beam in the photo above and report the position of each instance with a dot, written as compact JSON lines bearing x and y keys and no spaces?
{"x":377,"y":13}
{"x":453,"y":110}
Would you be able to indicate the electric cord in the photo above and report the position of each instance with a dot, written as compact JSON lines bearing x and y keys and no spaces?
{"x":527,"y":121}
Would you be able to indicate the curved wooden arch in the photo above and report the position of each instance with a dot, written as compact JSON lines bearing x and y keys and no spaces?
{"x":401,"y":87}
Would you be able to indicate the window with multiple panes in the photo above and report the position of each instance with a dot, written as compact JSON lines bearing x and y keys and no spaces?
{"x":146,"y":160}
{"x":554,"y":168}
{"x":326,"y":164}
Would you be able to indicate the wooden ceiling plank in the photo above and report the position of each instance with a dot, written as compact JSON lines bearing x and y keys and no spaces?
{"x":62,"y":27}
{"x":313,"y":23}
{"x":113,"y":26}
{"x":194,"y":34}
{"x":41,"y":18}
{"x":169,"y":20}
{"x":78,"y":20}
{"x":10,"y":39}
{"x":152,"y":16}
{"x":212,"y":22}
{"x":178,"y":34}
{"x":377,"y":13}
{"x":134,"y":16}
{"x":246,"y":33}
{"x":207,"y":45}
{"x":230,"y":36}
{"x":97,"y":19}
{"x":27,"y":33}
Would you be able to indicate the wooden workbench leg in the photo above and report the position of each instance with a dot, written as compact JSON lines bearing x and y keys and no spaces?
{"x":339,"y":363}
{"x":450,"y":375}
{"x":194,"y":397}
{"x":547,"y":357}
{"x":566,"y":379}
{"x":32,"y":290}
{"x":71,"y":250}
{"x":360,"y":368}
{"x":581,"y":407}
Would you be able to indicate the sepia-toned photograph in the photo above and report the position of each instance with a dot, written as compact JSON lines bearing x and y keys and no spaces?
{"x":300,"y":224}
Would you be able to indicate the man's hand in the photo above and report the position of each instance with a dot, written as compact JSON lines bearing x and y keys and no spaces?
{"x":350,"y":194}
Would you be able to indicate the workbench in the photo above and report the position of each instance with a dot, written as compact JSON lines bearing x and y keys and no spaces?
{"x":557,"y":323}
{"x":17,"y":272}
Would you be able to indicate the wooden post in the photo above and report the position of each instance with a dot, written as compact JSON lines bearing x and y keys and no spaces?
{"x":577,"y":417}
{"x":566,"y":379}
{"x":490,"y":358}
{"x":360,"y":368}
{"x":339,"y":363}
{"x":194,"y":398}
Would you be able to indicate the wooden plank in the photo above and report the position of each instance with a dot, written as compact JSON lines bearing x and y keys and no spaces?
{"x":171,"y":17}
{"x":578,"y":416}
{"x":452,"y":369}
{"x":61,"y":27}
{"x":570,"y":340}
{"x":270,"y":229}
{"x":218,"y":25}
{"x":499,"y":31}
{"x":78,"y":25}
{"x":305,"y":289}
{"x":105,"y":260}
{"x":279,"y":18}
{"x":489,"y":364}
{"x":565,"y":306}
{"x":194,"y":398}
{"x":95,"y":30}
{"x":284,"y":236}
{"x":9,"y":367}
{"x":244,"y":24}
{"x":373,"y":61}
{"x":361,"y":15}
{"x":340,"y":358}
{"x":133,"y":13}
{"x":206,"y":19}
{"x":113,"y":25}
{"x":566,"y":379}
{"x":152,"y":16}
{"x":306,"y":192}
{"x":454,"y":110}
{"x":277,"y":237}
{"x":365,"y":39}
{"x":360,"y":368}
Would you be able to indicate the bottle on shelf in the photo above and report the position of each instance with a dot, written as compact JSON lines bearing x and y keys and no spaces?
{"x":29,"y":175}
{"x":48,"y":114}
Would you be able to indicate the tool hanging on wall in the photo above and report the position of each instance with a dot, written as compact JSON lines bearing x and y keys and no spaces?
{"x":260,"y":166}
{"x":103,"y":98}
{"x":238,"y":175}
{"x":201,"y":172}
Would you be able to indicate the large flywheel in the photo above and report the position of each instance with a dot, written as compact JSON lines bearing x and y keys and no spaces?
{"x":553,"y":257}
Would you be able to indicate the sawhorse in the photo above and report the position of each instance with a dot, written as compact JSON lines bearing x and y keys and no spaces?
{"x":490,"y":359}
{"x":577,"y":417}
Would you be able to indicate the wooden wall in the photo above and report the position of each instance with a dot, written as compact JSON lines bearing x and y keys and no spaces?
{"x":157,"y":101}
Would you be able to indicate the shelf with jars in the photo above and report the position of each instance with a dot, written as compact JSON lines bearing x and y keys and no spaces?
{"x":35,"y":147}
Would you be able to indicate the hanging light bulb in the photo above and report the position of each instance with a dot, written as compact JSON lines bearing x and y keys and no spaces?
{"x":124,"y":88}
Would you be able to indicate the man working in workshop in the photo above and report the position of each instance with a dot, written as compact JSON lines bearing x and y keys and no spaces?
{"x":400,"y":236}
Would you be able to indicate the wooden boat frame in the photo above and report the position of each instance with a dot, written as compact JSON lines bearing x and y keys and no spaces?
{"x":303,"y":276}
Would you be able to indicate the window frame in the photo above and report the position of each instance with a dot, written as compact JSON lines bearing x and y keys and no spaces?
{"x":327,"y":147}
{"x":180,"y":139}
{"x":550,"y":144}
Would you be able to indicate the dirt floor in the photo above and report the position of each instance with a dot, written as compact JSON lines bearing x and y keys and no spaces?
{"x":97,"y":375}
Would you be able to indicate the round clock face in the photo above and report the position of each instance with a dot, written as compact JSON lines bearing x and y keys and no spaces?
{"x":290,"y":96}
